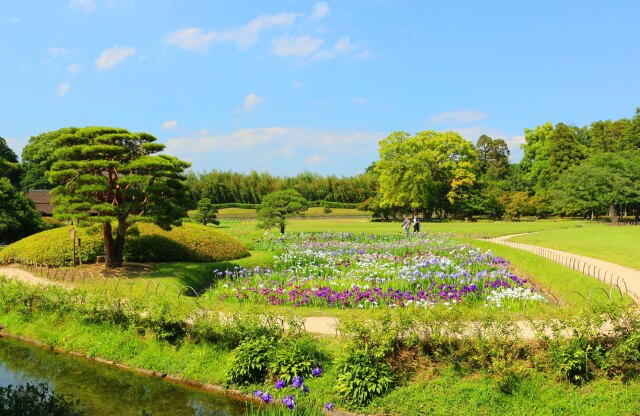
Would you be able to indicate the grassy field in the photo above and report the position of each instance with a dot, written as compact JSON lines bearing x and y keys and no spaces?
{"x":247,"y":232}
{"x":619,"y":245}
{"x":169,"y":279}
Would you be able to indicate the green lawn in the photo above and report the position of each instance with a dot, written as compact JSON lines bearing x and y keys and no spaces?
{"x":247,"y":232}
{"x":619,"y":245}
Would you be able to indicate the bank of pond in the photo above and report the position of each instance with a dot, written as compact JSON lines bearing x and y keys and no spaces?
{"x":105,"y":390}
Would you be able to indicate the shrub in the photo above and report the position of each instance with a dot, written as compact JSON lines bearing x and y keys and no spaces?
{"x":34,"y":399}
{"x":297,"y":357}
{"x":251,"y":360}
{"x":362,"y":375}
{"x":189,"y":242}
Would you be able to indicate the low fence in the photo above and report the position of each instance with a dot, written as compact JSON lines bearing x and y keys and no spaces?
{"x":305,"y":217}
{"x":614,"y":280}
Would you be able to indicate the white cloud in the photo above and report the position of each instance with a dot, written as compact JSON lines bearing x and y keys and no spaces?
{"x":315,"y":159}
{"x":244,"y":36}
{"x":279,"y":153}
{"x":359,"y":101}
{"x":191,"y":39}
{"x":53,"y":53}
{"x":344,"y":45}
{"x":74,"y":68}
{"x":87,"y":6}
{"x":295,"y":45}
{"x":365,"y":54}
{"x":247,"y":35}
{"x":297,"y":85}
{"x":251,"y":102}
{"x":63,"y":89}
{"x":457,"y":117}
{"x":14,"y":20}
{"x":320,"y":10}
{"x":169,"y":125}
{"x":111,"y":57}
{"x":280,"y":150}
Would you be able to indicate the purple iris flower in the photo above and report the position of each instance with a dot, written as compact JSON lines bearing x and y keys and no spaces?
{"x":296,"y":382}
{"x":316,"y":372}
{"x":289,"y":401}
{"x":266,"y":397}
{"x":328,"y":406}
{"x":305,"y":389}
{"x":280,"y":384}
{"x":257,"y":392}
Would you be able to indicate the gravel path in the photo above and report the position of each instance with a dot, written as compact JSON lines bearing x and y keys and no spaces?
{"x":611,"y":273}
{"x":603,"y":270}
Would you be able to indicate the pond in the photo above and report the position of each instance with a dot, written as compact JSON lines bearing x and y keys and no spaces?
{"x":104,"y":390}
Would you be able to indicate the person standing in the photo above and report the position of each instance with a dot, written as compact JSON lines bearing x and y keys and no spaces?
{"x":416,"y":224}
{"x":407,"y":226}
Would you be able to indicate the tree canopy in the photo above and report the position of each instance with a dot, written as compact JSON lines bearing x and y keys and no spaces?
{"x":37,"y":158}
{"x":429,"y":171}
{"x":107,"y":174}
{"x":206,"y":212}
{"x":9,"y":166}
{"x":278,"y":206}
{"x":18,"y":217}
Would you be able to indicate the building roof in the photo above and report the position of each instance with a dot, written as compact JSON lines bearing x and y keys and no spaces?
{"x":42,"y":200}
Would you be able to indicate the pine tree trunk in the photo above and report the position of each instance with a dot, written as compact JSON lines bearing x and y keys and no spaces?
{"x":108,"y":244}
{"x":113,"y":248}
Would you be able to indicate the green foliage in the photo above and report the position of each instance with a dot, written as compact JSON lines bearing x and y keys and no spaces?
{"x":108,"y":174}
{"x":428,"y":171}
{"x":252,"y":360}
{"x":327,"y":209}
{"x":34,"y":400}
{"x":297,"y":357}
{"x":362,"y":375}
{"x":206,"y":212}
{"x":18,"y":217}
{"x":190,"y":242}
{"x":37,"y":158}
{"x":9,"y":166}
{"x":278,"y":206}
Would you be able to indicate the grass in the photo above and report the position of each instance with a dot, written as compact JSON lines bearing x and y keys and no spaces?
{"x":452,"y":394}
{"x":247,"y":232}
{"x":619,"y":245}
{"x":553,"y":277}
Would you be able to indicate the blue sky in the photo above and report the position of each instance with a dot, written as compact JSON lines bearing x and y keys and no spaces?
{"x":287,"y":86}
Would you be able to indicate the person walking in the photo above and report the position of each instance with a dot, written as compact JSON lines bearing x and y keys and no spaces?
{"x":407,"y":226}
{"x":416,"y":224}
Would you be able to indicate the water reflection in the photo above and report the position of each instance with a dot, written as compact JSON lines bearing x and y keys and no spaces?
{"x":104,"y":390}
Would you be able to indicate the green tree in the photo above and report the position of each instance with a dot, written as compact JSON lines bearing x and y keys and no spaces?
{"x":493,"y":157}
{"x":18,"y":217}
{"x":9,"y":166}
{"x":206,"y":212}
{"x":565,"y":152}
{"x":37,"y":158}
{"x":601,"y":183}
{"x":108,"y":174}
{"x":632,"y":134}
{"x":278,"y":206}
{"x":536,"y":152}
{"x":429,"y":171}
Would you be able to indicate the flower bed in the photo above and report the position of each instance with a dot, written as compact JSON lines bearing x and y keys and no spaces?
{"x":351,"y":270}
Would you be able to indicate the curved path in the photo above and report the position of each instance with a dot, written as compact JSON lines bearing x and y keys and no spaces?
{"x":626,"y":278}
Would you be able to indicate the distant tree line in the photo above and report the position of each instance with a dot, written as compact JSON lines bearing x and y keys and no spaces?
{"x":587,"y":171}
{"x":250,"y":188}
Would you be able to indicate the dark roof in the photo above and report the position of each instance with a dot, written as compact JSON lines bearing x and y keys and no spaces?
{"x":42,"y":200}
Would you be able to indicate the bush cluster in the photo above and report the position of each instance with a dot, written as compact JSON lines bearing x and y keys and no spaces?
{"x":189,"y":242}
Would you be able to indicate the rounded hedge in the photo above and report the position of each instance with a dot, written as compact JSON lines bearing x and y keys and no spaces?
{"x":189,"y":242}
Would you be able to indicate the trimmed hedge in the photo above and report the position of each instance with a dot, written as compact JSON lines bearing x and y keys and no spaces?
{"x":189,"y":243}
{"x":320,"y":203}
